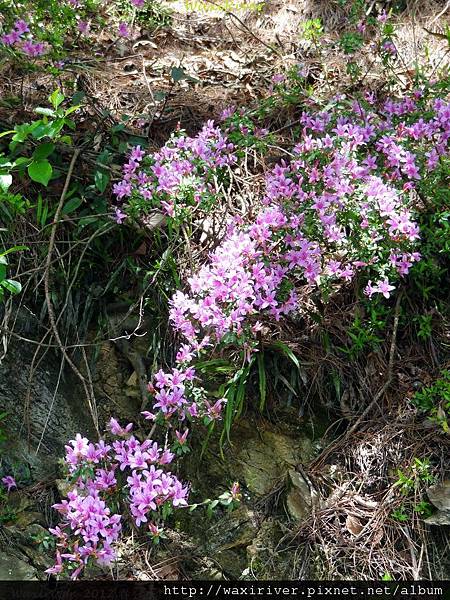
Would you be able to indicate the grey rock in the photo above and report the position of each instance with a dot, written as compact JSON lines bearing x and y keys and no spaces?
{"x":13,"y":568}
{"x":439,"y":496}
{"x":301,"y":498}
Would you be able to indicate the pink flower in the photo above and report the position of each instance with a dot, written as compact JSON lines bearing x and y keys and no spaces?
{"x":83,"y":27}
{"x":32,"y":49}
{"x":9,"y":39}
{"x":181,"y":437}
{"x":117,"y":429}
{"x":21,"y":27}
{"x":148,"y":415}
{"x":58,"y":566}
{"x":384,"y":288}
{"x":9,"y":482}
{"x":123,"y":30}
{"x":278,"y":78}
{"x":120,"y":216}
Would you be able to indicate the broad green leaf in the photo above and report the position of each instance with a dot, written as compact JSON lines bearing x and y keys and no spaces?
{"x":22,"y":160}
{"x":5,"y":181}
{"x":40,"y":171}
{"x":43,"y":150}
{"x":12,"y":286}
{"x":101,"y":181}
{"x":48,"y":112}
{"x":86,"y":221}
{"x":178,"y":74}
{"x":71,"y":205}
{"x":66,"y":139}
{"x":56,"y":99}
{"x":72,"y":109}
{"x":42,"y":130}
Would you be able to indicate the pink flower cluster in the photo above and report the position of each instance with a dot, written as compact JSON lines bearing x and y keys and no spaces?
{"x":177,"y":179}
{"x":15,"y":38}
{"x":129,"y":472}
{"x":177,"y":393}
{"x":93,"y":524}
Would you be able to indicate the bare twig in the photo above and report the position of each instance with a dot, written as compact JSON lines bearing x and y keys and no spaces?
{"x":51,"y":314}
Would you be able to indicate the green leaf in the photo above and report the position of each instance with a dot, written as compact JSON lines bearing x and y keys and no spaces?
{"x":66,"y":139}
{"x":22,"y":160}
{"x":229,"y":412}
{"x":78,"y":97}
{"x":178,"y":74}
{"x":71,"y":110}
{"x":71,"y":205}
{"x":3,"y":133}
{"x":43,"y":150}
{"x":101,"y":181}
{"x":47,"y":112}
{"x":13,"y":249}
{"x":56,"y":98}
{"x":86,"y":221}
{"x":159,"y":96}
{"x":262,"y":381}
{"x":240,"y":396}
{"x":41,"y":130}
{"x":40,"y":171}
{"x":5,"y":181}
{"x":287,"y":352}
{"x":12,"y":286}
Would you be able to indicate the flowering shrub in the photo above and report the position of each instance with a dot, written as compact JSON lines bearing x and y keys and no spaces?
{"x":16,"y":38}
{"x":42,"y":28}
{"x":52,"y":28}
{"x":179,"y":179}
{"x":108,"y":479}
{"x":343,"y":205}
{"x":114,"y":483}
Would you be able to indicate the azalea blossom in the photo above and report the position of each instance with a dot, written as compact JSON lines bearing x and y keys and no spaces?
{"x":9,"y":482}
